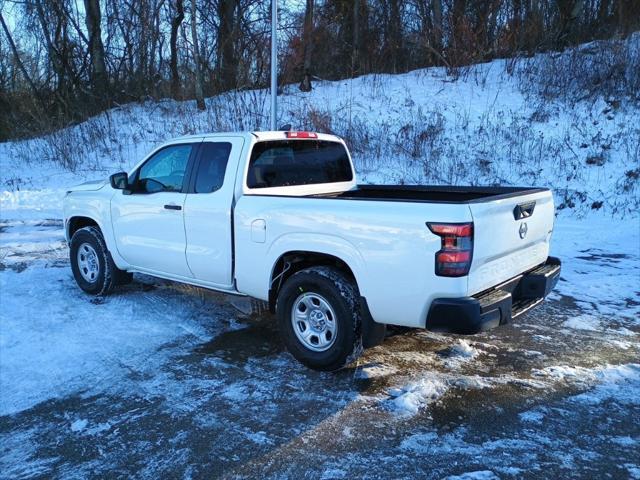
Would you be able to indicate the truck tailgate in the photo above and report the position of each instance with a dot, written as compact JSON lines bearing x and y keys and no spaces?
{"x":511,"y":236}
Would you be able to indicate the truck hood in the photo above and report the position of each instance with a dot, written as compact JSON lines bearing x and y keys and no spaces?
{"x":88,"y":186}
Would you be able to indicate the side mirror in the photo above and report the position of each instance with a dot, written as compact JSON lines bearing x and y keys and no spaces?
{"x":119,"y":181}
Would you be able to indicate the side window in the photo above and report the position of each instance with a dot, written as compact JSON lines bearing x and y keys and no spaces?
{"x":164,"y":171}
{"x":212,"y":166}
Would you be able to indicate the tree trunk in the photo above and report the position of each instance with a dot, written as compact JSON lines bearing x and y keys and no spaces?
{"x":305,"y":85}
{"x":196,"y":58}
{"x":52,"y":52}
{"x":458,"y":13}
{"x":603,"y":11}
{"x":357,"y":39}
{"x":516,"y":26}
{"x":226,"y":49}
{"x":569,"y":11}
{"x":395,"y":39}
{"x":628,"y":16}
{"x":176,"y":21}
{"x":437,"y":25}
{"x":93,"y":19}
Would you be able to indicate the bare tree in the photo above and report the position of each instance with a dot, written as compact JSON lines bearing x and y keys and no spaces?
{"x":18,"y":60}
{"x":227,"y":64}
{"x":305,"y":85}
{"x":392,"y":56}
{"x":196,"y":58}
{"x":437,"y":25}
{"x":93,"y":19}
{"x":357,"y":37}
{"x":176,"y":21}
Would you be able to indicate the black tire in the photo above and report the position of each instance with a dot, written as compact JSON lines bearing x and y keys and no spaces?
{"x":107,"y":273}
{"x":342,"y":295}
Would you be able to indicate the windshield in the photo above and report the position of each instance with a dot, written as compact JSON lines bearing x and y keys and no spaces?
{"x":282,"y":163}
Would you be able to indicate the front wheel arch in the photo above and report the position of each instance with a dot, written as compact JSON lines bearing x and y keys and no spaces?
{"x":77,"y":222}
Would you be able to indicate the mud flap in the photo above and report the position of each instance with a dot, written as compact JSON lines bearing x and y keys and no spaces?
{"x":373,"y":333}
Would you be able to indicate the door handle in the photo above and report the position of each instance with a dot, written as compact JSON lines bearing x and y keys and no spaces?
{"x":173,"y":207}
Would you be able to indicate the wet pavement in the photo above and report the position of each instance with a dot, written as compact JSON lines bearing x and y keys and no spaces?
{"x":161,"y":380}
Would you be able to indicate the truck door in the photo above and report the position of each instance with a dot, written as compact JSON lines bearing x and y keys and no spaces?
{"x":207,"y":211}
{"x":147,"y":219}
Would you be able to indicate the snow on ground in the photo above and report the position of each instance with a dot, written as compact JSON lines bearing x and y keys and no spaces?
{"x":162,"y":379}
{"x":96,"y":344}
{"x":604,"y":272}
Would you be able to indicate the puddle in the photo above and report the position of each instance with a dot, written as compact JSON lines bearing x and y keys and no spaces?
{"x":258,"y":339}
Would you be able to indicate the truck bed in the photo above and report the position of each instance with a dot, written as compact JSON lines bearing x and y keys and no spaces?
{"x":431,"y":193}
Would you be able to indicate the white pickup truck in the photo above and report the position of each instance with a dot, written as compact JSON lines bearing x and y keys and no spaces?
{"x":278,"y":216}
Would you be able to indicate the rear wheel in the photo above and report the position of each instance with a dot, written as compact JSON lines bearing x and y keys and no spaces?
{"x":91,"y":263}
{"x":319,"y":317}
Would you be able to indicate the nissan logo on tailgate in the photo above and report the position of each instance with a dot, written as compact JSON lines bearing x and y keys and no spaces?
{"x":523,"y":230}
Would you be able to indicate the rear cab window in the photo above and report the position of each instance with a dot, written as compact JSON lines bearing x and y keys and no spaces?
{"x":282,"y":163}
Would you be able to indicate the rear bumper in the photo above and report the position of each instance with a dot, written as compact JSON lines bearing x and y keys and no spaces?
{"x":498,"y":306}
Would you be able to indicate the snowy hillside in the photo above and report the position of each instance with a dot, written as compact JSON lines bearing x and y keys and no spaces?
{"x":484,"y":126}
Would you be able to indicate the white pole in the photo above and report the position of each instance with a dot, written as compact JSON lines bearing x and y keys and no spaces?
{"x":274,"y":64}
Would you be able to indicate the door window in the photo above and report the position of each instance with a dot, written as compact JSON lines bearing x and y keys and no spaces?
{"x":212,"y":166}
{"x":164,"y":171}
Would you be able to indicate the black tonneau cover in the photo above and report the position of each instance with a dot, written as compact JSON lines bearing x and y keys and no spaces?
{"x":432,"y":193}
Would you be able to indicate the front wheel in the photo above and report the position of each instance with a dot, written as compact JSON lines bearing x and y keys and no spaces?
{"x":319,"y":317}
{"x":91,"y":263}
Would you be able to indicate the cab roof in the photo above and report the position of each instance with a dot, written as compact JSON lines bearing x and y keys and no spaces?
{"x":259,"y":135}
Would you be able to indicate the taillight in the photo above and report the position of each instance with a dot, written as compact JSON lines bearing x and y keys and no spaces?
{"x":301,"y":135}
{"x":454,"y":257}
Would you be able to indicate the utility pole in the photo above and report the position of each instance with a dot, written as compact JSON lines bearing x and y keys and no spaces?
{"x":274,"y":63}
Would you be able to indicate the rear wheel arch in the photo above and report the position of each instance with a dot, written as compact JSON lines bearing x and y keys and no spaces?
{"x":293,"y":261}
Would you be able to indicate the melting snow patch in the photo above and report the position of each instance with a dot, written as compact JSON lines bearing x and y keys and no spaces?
{"x":99,"y":428}
{"x":634,"y":471}
{"x":584,"y":322}
{"x":621,"y":344}
{"x":542,"y":337}
{"x":590,"y":323}
{"x":474,"y":381}
{"x":464,"y":349}
{"x":260,"y":438}
{"x":332,"y":473}
{"x":235,"y":392}
{"x":79,"y":425}
{"x":532,"y":416}
{"x":567,"y":373}
{"x":624,"y":441}
{"x":409,"y":399}
{"x":621,"y":382}
{"x":375,"y":370}
{"x":420,"y":442}
{"x":460,"y":353}
{"x":477,"y":475}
